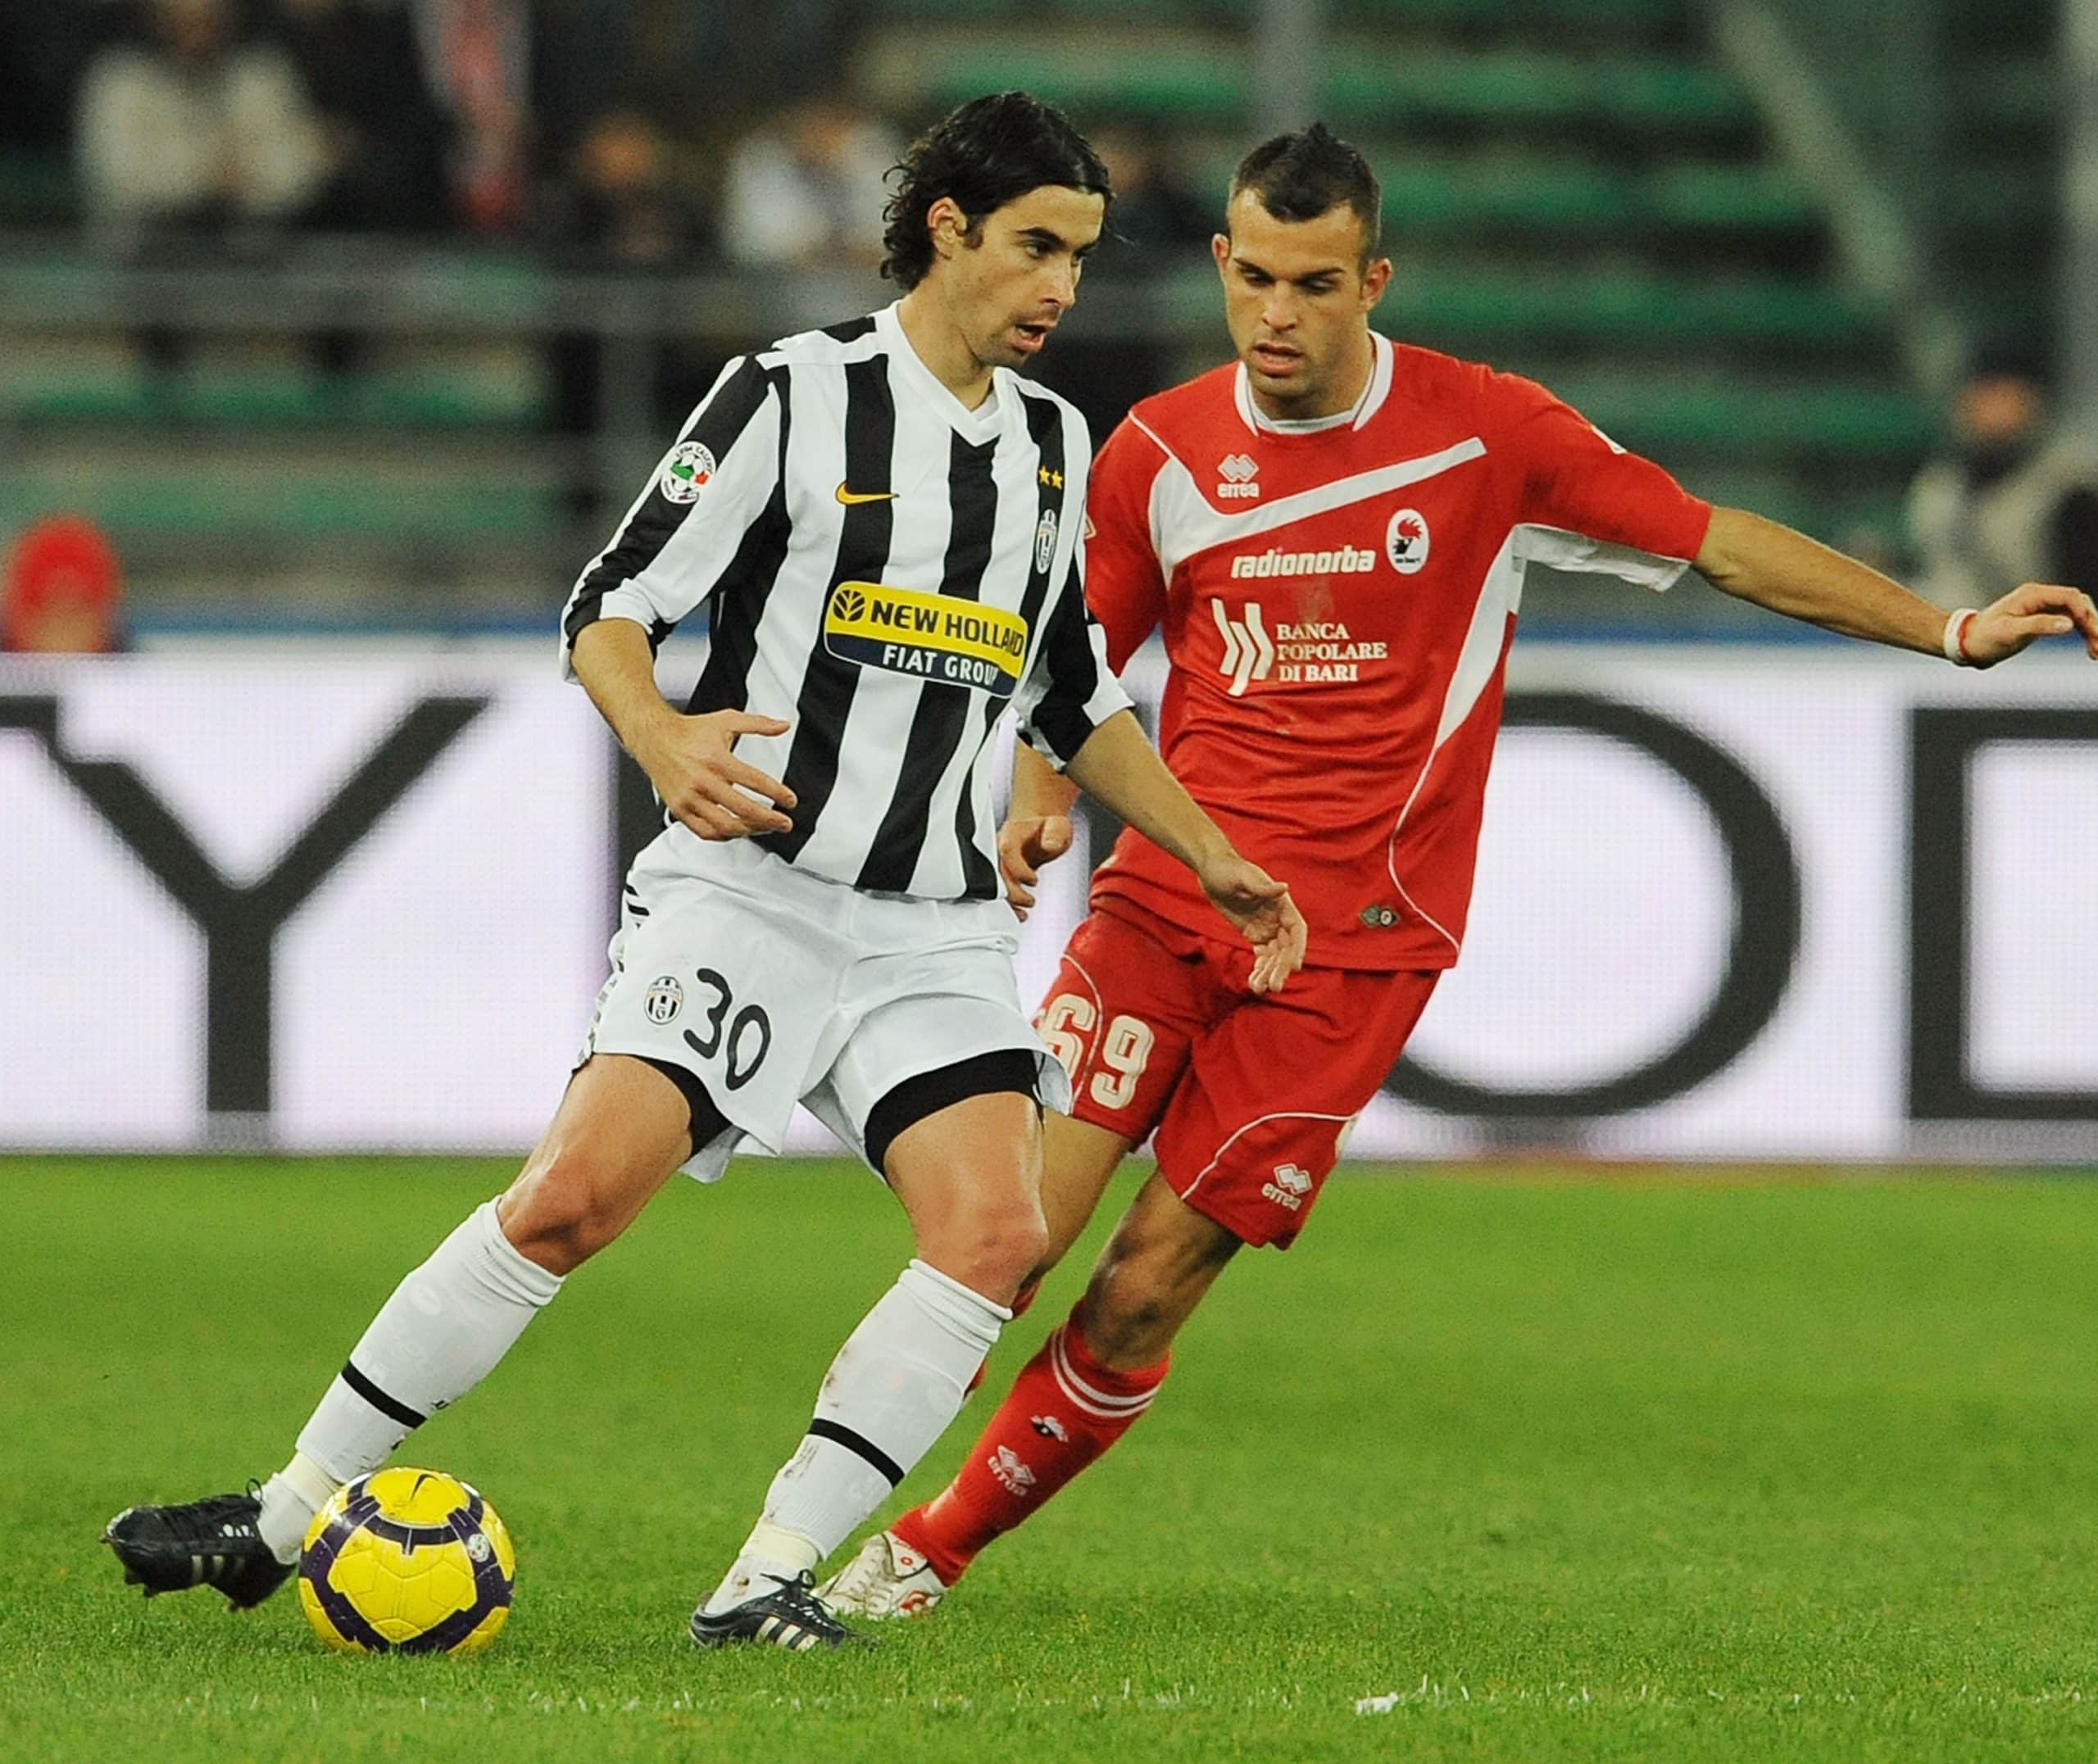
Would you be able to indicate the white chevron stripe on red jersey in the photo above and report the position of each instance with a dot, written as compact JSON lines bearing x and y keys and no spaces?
{"x":1184,"y":523}
{"x":1248,"y":653}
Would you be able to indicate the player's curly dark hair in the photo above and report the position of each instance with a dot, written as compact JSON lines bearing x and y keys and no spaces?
{"x":1301,"y":176}
{"x":983,"y":155}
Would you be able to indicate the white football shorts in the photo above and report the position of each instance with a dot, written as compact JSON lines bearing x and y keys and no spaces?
{"x":777,"y":986}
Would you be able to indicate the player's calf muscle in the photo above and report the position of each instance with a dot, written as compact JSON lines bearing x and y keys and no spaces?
{"x":1161,"y":1260}
{"x":1079,"y":1160}
{"x":1130,"y":1322}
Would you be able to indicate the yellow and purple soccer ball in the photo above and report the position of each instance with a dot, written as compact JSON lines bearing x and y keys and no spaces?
{"x":407,"y":1561}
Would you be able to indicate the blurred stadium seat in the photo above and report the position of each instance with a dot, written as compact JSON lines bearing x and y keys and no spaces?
{"x":1574,"y":188}
{"x":1581,"y":190}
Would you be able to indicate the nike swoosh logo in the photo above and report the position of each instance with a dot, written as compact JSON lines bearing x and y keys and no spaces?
{"x":853,"y":498}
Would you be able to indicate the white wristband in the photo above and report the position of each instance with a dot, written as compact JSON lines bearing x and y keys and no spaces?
{"x":1955,"y":635}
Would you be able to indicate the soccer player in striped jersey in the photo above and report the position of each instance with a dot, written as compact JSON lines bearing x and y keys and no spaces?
{"x":1333,"y":532}
{"x":886,"y":525}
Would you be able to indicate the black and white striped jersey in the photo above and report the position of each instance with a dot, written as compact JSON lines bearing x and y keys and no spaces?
{"x":888,"y":571}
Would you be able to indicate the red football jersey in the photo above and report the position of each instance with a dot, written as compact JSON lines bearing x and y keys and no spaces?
{"x":1338,"y":604}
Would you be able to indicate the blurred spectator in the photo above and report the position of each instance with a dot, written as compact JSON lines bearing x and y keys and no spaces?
{"x":477,"y":57}
{"x":43,"y":49}
{"x":623,"y":205}
{"x":624,"y":202}
{"x":595,"y":57}
{"x":1159,"y":223}
{"x":64,"y":590}
{"x":189,"y":130}
{"x":729,"y":62}
{"x":2014,"y":500}
{"x":808,"y":189}
{"x":1160,"y":216}
{"x":385,"y":139}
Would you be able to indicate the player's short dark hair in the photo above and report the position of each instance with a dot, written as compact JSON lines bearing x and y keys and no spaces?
{"x":984,"y":155}
{"x":1301,"y":176}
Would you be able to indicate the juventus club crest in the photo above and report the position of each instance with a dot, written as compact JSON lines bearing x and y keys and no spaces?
{"x":664,"y":999}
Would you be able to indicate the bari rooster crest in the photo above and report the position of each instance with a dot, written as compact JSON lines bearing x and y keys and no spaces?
{"x":1406,"y":540}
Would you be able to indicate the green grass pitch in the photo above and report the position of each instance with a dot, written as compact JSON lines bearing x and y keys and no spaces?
{"x":1715,"y":1468}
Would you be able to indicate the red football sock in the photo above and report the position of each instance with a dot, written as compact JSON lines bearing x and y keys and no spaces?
{"x":1065,"y":1408}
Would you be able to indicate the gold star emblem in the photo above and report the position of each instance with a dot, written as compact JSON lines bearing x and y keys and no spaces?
{"x":1055,"y":480}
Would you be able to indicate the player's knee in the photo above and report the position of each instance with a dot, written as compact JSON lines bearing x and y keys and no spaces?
{"x":1045,"y":1265}
{"x":561,"y":1213}
{"x":1010,"y":1245}
{"x":995,"y":1250}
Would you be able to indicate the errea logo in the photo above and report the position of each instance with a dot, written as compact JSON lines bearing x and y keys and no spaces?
{"x":1291,"y":1183}
{"x":1008,"y":1466}
{"x":1238,"y":471}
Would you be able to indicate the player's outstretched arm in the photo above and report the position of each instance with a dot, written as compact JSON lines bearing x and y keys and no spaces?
{"x":1757,"y":559}
{"x":1119,"y":767}
{"x":1037,"y":825}
{"x":690,"y":760}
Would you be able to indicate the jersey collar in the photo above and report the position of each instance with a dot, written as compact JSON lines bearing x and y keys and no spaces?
{"x":976,"y":426}
{"x":1375,"y":390}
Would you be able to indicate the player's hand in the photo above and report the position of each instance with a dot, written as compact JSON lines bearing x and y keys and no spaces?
{"x":1024,"y":847}
{"x":1261,"y":908}
{"x":2025,"y":615}
{"x":692,"y":763}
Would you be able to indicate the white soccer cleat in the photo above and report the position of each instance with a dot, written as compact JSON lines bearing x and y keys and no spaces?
{"x":888,"y":1579}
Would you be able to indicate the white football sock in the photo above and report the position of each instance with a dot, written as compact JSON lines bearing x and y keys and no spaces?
{"x":290,"y":1498}
{"x":891,"y":1392}
{"x":440,"y":1334}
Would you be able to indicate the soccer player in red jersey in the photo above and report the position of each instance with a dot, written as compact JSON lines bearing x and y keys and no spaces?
{"x":1333,"y":532}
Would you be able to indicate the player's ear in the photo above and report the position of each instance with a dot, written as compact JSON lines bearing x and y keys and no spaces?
{"x":948,"y":226}
{"x":1221,"y":249}
{"x":1375,"y":279}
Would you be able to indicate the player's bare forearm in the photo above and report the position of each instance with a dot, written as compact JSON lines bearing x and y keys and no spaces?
{"x":1119,"y":768}
{"x":1037,"y":825}
{"x":1040,"y":791}
{"x":690,"y":760}
{"x":1757,"y":559}
{"x":617,"y":668}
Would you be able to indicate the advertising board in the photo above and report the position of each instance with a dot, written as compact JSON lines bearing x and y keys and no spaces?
{"x":1734,"y":903}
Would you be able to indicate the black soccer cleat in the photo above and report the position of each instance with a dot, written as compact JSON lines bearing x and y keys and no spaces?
{"x":213,"y":1542}
{"x":791,"y":1617}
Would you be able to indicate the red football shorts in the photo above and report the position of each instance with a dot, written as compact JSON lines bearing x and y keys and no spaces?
{"x":1249,"y":1096}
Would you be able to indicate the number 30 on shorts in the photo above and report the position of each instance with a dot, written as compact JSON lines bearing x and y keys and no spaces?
{"x":1124,"y":1050}
{"x":740,"y":1061}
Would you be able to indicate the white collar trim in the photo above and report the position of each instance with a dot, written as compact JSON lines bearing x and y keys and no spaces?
{"x":978,"y":425}
{"x":1375,"y":390}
